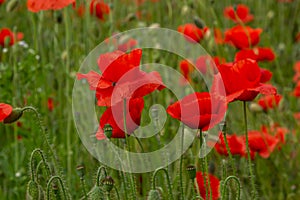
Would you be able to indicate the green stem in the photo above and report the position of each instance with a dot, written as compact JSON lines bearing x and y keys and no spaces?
{"x":116,"y":189}
{"x":61,"y":184}
{"x":100,"y":169}
{"x":132,"y":185}
{"x":181,"y":159}
{"x":228,"y":150}
{"x":168,"y":181}
{"x":238,"y":197}
{"x":83,"y":188}
{"x":254,"y":193}
{"x":40,"y":152}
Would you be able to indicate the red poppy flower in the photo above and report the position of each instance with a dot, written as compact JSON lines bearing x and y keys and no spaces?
{"x":257,"y":53}
{"x":297,"y":71}
{"x":186,"y":68}
{"x":214,"y":185}
{"x":244,"y":80}
{"x":2,"y":1}
{"x":211,"y":110}
{"x":296,"y":91}
{"x":121,"y":77}
{"x":192,"y":32}
{"x":235,"y":143}
{"x":39,"y":5}
{"x":114,"y":117}
{"x":99,"y":9}
{"x":50,"y":104}
{"x":243,"y":37}
{"x":6,"y":35}
{"x":80,"y":10}
{"x":262,"y":143}
{"x":241,"y":14}
{"x":277,"y":131}
{"x":5,"y":111}
{"x":269,"y":101}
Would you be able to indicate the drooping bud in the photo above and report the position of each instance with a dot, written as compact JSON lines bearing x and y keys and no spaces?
{"x":255,"y":108}
{"x":108,"y":183}
{"x":199,"y":22}
{"x":14,"y":115}
{"x":108,"y":130}
{"x":191,"y":169}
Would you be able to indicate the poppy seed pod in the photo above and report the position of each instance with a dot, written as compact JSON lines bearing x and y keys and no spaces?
{"x":14,"y":115}
{"x":154,"y":195}
{"x":108,"y":183}
{"x":108,"y":130}
{"x":199,"y":22}
{"x":191,"y":169}
{"x":80,"y":170}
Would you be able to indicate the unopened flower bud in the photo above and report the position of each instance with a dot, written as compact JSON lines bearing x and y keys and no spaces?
{"x":12,"y":5}
{"x":255,"y":108}
{"x":191,"y":169}
{"x":80,"y":170}
{"x":108,"y":183}
{"x":32,"y":190}
{"x":154,"y":195}
{"x":199,"y":22}
{"x":14,"y":116}
{"x":108,"y":130}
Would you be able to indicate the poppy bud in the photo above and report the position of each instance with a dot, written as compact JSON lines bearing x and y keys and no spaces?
{"x":130,"y":17}
{"x":154,"y":195}
{"x":108,"y":130}
{"x":211,"y":168}
{"x":199,"y":22}
{"x":32,"y":190}
{"x":14,"y":116}
{"x":191,"y":169}
{"x":108,"y":183}
{"x":59,"y":18}
{"x":80,"y":170}
{"x":96,"y":193}
{"x":12,"y":5}
{"x":56,"y":191}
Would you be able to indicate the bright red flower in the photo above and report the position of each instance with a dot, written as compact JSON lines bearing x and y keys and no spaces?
{"x":39,"y":5}
{"x":296,"y":91}
{"x":192,"y":32}
{"x":80,"y":10}
{"x":2,"y":1}
{"x":297,"y":71}
{"x":214,"y":185}
{"x":241,"y":14}
{"x":277,"y":131}
{"x":114,"y":117}
{"x":50,"y":104}
{"x":262,"y":143}
{"x":186,"y":68}
{"x":269,"y":101}
{"x":6,"y":35}
{"x":257,"y":53}
{"x":121,"y":77}
{"x":5,"y":111}
{"x":235,"y":143}
{"x":99,"y":9}
{"x":199,"y":110}
{"x":243,"y":37}
{"x":244,"y":80}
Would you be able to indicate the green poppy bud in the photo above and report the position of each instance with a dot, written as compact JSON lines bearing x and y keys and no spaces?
{"x":154,"y":195}
{"x":108,"y":183}
{"x":108,"y":130}
{"x":14,"y":116}
{"x":191,"y":169}
{"x":12,"y":5}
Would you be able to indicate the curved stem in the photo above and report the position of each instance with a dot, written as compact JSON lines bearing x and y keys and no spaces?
{"x":40,"y":152}
{"x":83,"y":188}
{"x":254,"y":193}
{"x":118,"y":196}
{"x":228,"y":150}
{"x":225,"y":186}
{"x":61,"y":184}
{"x":168,"y":181}
{"x":100,"y":169}
{"x":181,"y":159}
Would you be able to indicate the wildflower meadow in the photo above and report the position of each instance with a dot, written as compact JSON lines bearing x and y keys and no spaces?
{"x":150,"y":99}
